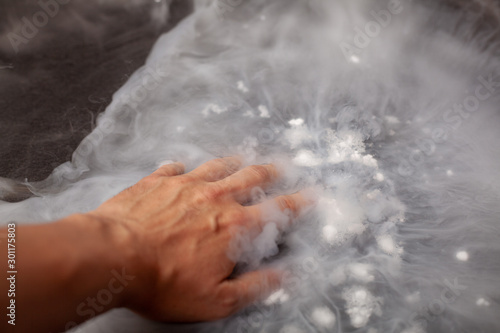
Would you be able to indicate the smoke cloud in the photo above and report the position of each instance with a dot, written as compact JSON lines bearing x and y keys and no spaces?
{"x":389,"y":109}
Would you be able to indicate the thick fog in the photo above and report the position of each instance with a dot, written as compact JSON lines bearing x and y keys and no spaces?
{"x":388,"y":110}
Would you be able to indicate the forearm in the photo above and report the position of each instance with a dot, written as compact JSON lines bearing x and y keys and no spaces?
{"x":67,"y":272}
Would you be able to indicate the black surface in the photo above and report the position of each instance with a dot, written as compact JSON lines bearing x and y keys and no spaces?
{"x":52,"y":90}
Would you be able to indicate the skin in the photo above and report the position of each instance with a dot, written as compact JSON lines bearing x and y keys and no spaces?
{"x":168,"y":237}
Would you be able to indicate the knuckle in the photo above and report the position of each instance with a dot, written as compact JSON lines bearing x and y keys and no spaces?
{"x":223,"y":312}
{"x":215,"y":173}
{"x":178,"y":180}
{"x":148,"y":182}
{"x":238,"y":216}
{"x":260,"y":171}
{"x":286,"y":203}
{"x":209,"y":193}
{"x":171,"y":169}
{"x":163,"y":170}
{"x":228,"y":303}
{"x":219,"y":162}
{"x":231,"y":164}
{"x":213,"y":192}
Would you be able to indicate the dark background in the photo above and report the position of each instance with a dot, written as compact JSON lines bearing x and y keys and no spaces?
{"x":53,"y":88}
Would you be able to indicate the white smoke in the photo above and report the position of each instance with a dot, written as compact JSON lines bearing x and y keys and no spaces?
{"x":388,"y":108}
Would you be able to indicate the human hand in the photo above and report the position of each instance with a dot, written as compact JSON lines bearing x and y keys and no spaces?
{"x":182,"y":226}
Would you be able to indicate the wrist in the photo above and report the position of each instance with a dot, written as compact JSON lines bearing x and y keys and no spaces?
{"x":125,"y":257}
